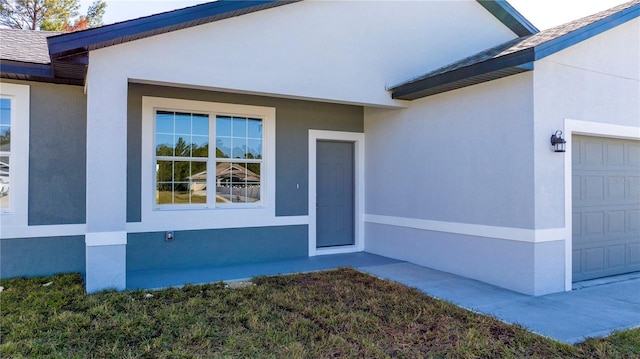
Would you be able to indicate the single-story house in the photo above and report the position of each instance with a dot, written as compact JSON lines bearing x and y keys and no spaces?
{"x":416,"y":130}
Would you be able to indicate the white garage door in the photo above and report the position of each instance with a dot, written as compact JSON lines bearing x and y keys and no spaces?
{"x":606,"y":207}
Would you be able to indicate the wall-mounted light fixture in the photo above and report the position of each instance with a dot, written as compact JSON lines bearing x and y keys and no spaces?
{"x":558,"y":142}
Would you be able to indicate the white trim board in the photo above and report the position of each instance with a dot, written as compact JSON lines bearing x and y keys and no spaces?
{"x":468,"y":229}
{"x":587,"y":128}
{"x":358,"y":141}
{"x":17,"y":212}
{"x":59,"y":230}
{"x":97,"y":239}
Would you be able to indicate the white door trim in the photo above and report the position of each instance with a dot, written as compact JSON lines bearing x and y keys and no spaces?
{"x":576,"y":127}
{"x":358,"y":141}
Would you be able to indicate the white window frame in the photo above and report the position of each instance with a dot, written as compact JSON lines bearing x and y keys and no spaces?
{"x":201,"y":216}
{"x":16,"y":214}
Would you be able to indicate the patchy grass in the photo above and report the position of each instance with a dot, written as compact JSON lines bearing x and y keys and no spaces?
{"x":339,"y":313}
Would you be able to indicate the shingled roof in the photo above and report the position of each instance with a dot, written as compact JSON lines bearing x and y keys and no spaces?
{"x":25,"y":45}
{"x":514,"y":56}
{"x":24,"y":55}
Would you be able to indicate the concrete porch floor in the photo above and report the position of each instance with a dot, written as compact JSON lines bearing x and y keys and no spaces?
{"x":594,"y":310}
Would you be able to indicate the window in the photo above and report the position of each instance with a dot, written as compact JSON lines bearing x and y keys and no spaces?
{"x":238,"y":159}
{"x":5,"y":150}
{"x":14,"y":153}
{"x":183,"y":158}
{"x":182,"y":152}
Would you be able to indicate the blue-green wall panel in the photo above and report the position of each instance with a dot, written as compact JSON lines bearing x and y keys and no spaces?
{"x":32,"y":257}
{"x":294,"y":118}
{"x":215,"y":247}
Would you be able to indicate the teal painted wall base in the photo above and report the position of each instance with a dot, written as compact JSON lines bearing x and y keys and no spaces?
{"x":34,"y":257}
{"x":215,"y":247}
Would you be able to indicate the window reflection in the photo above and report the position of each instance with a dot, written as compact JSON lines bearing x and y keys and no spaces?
{"x":5,"y":150}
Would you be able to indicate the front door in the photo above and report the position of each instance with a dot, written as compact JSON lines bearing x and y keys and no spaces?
{"x":334,"y":194}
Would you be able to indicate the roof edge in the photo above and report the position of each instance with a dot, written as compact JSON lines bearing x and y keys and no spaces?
{"x":417,"y":89}
{"x":113,"y":34}
{"x":509,"y":16}
{"x":585,"y":33}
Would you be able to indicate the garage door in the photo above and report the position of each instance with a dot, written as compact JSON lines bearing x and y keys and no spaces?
{"x":606,"y":207}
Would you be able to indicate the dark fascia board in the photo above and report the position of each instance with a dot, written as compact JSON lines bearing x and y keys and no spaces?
{"x":509,"y":16}
{"x":417,"y":89}
{"x":82,"y":41}
{"x":470,"y":81}
{"x":26,"y":69}
{"x":551,"y":47}
{"x":427,"y":86}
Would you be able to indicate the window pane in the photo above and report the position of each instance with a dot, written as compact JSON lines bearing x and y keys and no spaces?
{"x":183,"y":146}
{"x":223,"y":182}
{"x":254,"y":149}
{"x":164,"y":122}
{"x":4,"y":181}
{"x":164,"y":171}
{"x":183,"y":123}
{"x":239,"y":127}
{"x":223,"y":126}
{"x":253,"y":192}
{"x":237,"y":182}
{"x":164,"y":194}
{"x":223,"y":147}
{"x":181,"y":193}
{"x":239,"y":146}
{"x":164,"y":145}
{"x":200,"y":146}
{"x":200,"y":125}
{"x":198,"y":182}
{"x":254,"y":128}
{"x":181,"y":171}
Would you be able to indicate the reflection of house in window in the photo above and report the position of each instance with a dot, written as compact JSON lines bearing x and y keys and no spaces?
{"x":5,"y":150}
{"x":235,"y":182}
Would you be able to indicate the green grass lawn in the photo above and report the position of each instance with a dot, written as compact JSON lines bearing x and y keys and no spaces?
{"x":339,"y":313}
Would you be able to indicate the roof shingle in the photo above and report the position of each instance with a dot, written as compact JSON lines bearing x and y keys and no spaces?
{"x":25,"y":45}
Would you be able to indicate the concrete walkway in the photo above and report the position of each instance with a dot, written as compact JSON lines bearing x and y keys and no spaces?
{"x":570,"y":317}
{"x":594,"y":311}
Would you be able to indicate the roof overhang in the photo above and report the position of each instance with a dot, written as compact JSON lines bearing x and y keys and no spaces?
{"x":506,"y":65}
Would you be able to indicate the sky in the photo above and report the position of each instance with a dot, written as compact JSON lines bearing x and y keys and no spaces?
{"x":542,"y":13}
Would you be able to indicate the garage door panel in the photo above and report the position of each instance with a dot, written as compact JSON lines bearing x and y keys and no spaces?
{"x":615,"y":222}
{"x":633,"y":155}
{"x":606,"y":206}
{"x":633,"y":253}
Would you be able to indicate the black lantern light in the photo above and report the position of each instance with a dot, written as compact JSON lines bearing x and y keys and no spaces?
{"x":558,"y":142}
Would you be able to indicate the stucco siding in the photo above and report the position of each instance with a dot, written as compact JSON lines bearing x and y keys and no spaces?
{"x":294,"y":118}
{"x":598,"y":81}
{"x":57,"y":153}
{"x":347,"y":51}
{"x":31,"y":257}
{"x":210,"y":248}
{"x":464,"y":156}
{"x":525,"y":267}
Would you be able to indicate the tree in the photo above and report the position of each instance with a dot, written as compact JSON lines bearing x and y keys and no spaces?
{"x":52,"y":15}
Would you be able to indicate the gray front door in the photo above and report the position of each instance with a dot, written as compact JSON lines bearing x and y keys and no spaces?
{"x":334,"y":193}
{"x":606,"y":207}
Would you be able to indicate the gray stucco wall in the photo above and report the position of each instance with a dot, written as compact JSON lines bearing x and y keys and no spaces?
{"x":31,"y":257}
{"x":57,"y":154}
{"x":464,"y":156}
{"x":217,"y":247}
{"x":294,"y":118}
